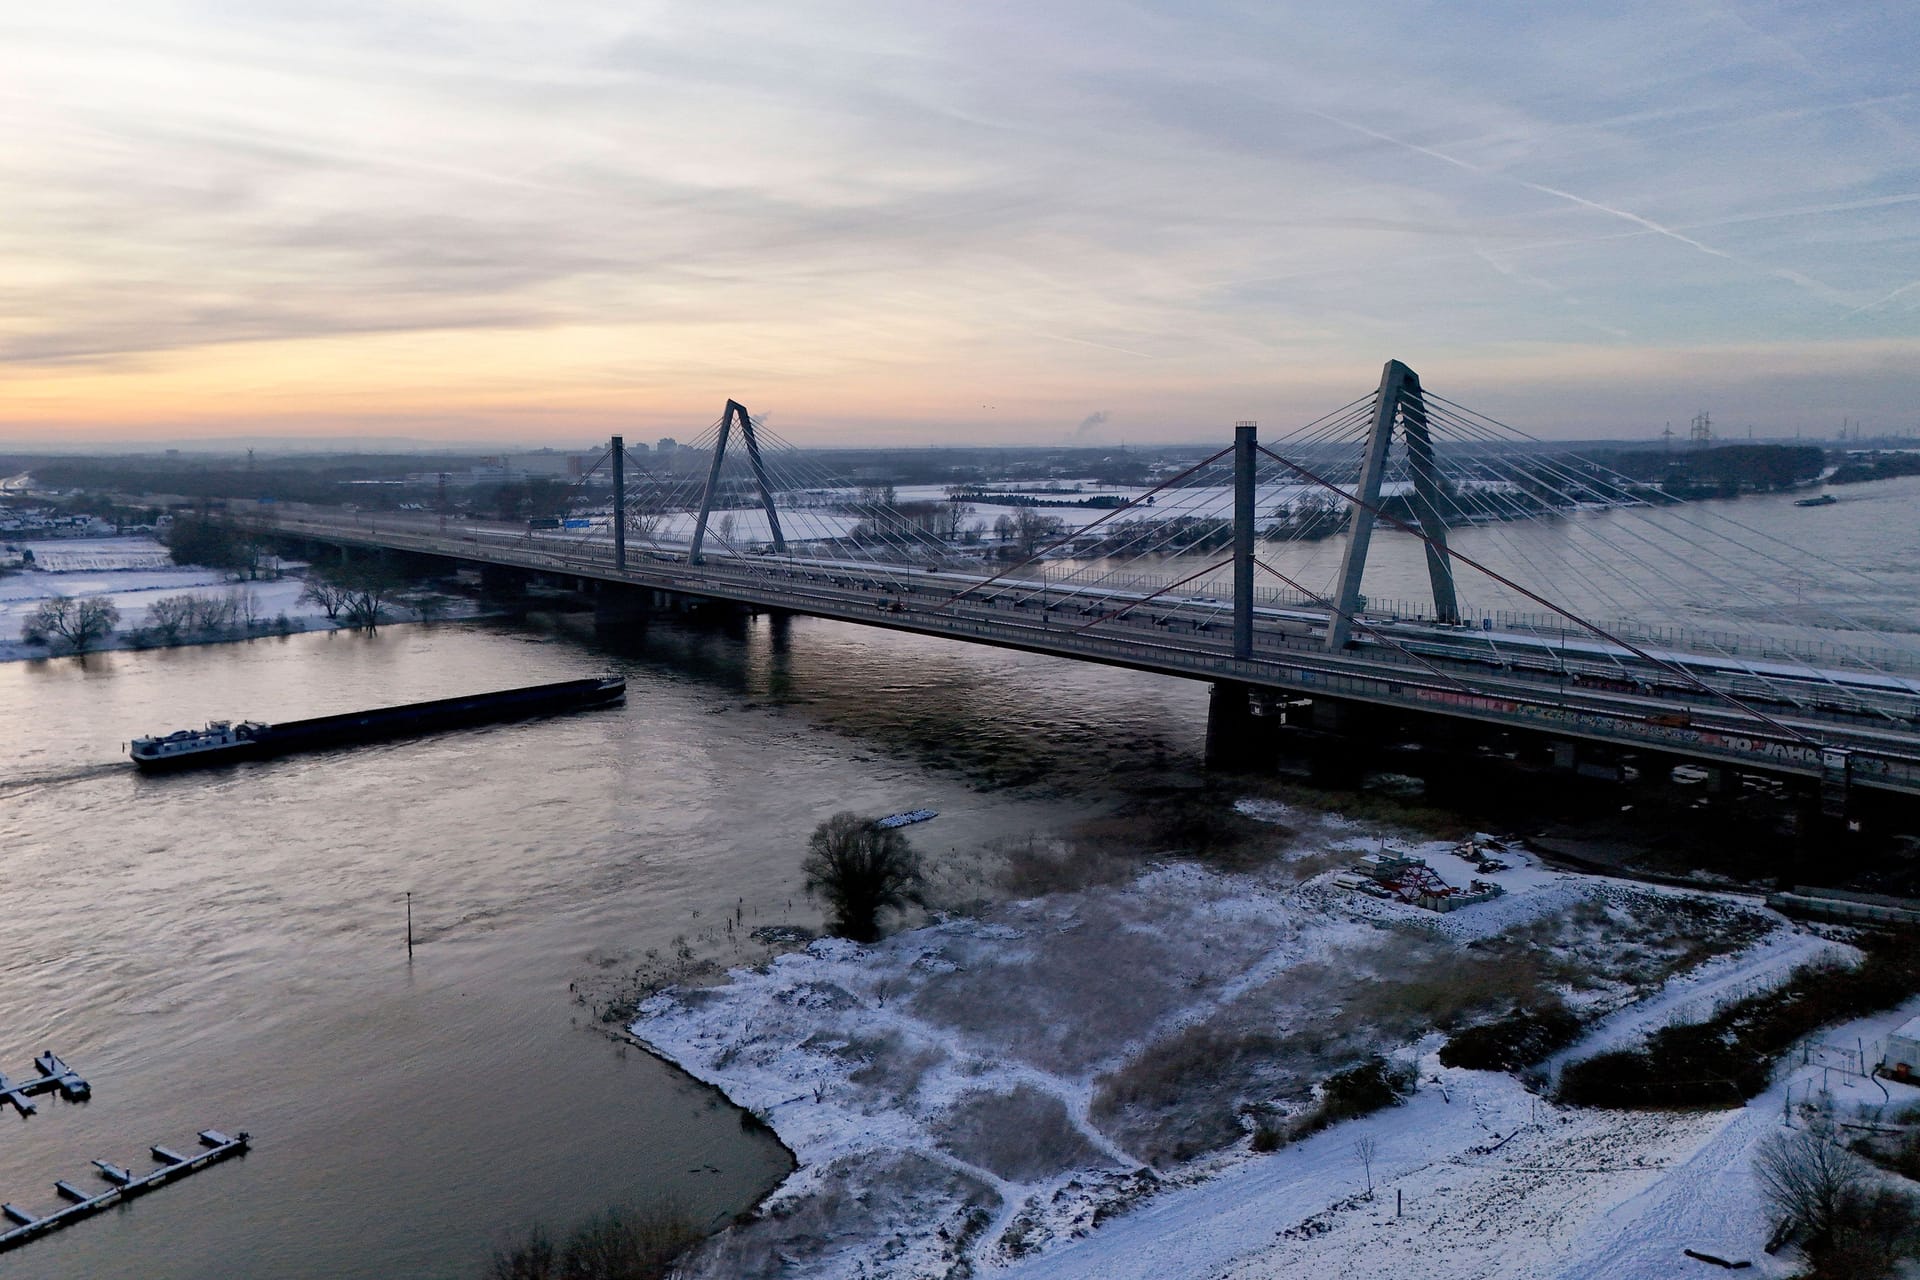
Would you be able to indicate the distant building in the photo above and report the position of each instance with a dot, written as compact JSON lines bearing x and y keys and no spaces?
{"x":1903,"y":1050}
{"x":549,"y":464}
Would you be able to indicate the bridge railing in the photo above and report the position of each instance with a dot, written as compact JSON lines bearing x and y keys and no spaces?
{"x":1068,"y":574}
{"x":1296,"y":663}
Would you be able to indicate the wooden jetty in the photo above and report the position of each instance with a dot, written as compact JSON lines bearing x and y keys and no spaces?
{"x":122,"y":1184}
{"x":54,"y":1074}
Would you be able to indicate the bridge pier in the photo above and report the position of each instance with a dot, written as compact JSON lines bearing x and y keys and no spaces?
{"x":1585,"y":759}
{"x":502,"y":582}
{"x":1329,"y":716}
{"x":618,"y":608}
{"x":1235,"y":740}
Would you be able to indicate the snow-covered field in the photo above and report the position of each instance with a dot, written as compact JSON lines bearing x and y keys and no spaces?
{"x":135,"y":572}
{"x":1062,"y":1086}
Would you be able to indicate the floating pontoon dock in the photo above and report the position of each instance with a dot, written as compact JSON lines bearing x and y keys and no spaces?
{"x":54,"y":1074}
{"x":121,"y":1185}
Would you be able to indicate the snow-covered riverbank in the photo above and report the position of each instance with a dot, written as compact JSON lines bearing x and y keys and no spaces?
{"x":135,"y":573}
{"x":987,"y":1092}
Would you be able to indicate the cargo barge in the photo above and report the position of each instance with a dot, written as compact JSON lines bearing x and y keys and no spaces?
{"x":223,"y":741}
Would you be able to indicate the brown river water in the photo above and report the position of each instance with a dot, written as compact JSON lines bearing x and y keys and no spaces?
{"x":227,"y":948}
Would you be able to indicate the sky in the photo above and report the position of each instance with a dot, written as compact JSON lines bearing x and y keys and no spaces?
{"x":498,"y":220}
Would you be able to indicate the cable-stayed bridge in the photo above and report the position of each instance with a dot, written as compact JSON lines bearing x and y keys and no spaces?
{"x":1547,"y":593}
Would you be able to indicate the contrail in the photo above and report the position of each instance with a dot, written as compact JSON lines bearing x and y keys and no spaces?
{"x":1908,"y":287}
{"x":1826,"y":292}
{"x":1629,"y":216}
{"x":1415,"y":147}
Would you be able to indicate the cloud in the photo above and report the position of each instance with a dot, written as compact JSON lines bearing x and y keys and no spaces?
{"x":1211,"y":205}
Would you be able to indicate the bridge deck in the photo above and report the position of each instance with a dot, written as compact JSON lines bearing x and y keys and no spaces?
{"x":1863,"y":726}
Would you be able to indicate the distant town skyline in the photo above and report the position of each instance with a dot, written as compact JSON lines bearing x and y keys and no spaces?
{"x":926,"y":225}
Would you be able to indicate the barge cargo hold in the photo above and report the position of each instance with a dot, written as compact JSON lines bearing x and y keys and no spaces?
{"x":223,"y":741}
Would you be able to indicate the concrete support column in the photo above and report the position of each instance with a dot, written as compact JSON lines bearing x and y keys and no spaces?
{"x":619,"y":608}
{"x":1586,"y":759}
{"x":1233,"y":734}
{"x":499,"y":580}
{"x":1330,"y":716}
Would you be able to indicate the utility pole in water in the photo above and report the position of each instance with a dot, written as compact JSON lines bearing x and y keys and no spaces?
{"x":409,"y":926}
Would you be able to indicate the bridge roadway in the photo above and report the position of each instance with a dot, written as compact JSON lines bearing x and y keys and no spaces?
{"x":1861,"y":729}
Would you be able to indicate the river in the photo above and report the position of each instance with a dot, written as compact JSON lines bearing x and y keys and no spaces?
{"x":1836,"y":580}
{"x":227,"y":948}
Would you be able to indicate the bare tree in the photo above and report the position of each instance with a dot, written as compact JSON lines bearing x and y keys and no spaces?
{"x":370,"y":590}
{"x":431,"y":606}
{"x":168,"y":617}
{"x":81,"y":623}
{"x":1364,"y":1150}
{"x":1807,"y":1176}
{"x":1030,"y":529}
{"x":954,"y":515}
{"x":861,"y":870}
{"x":642,"y":524}
{"x":212,"y":615}
{"x":247,"y":605}
{"x":328,"y":594}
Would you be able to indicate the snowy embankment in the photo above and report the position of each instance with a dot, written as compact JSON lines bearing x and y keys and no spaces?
{"x":988,"y":1092}
{"x":136,"y":572}
{"x":1477,"y":1177}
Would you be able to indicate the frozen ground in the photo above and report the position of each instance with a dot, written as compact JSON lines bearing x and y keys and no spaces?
{"x":1063,"y":1086}
{"x":1490,"y":1181}
{"x":135,"y":572}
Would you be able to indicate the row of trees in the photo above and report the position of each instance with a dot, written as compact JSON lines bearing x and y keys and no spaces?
{"x":882,"y":515}
{"x":356,"y":596}
{"x":360,"y":594}
{"x":1720,"y":471}
{"x":220,"y":542}
{"x":195,"y":617}
{"x":1026,"y":531}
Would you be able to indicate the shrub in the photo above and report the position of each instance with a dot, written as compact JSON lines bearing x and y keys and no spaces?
{"x":615,"y":1245}
{"x":1518,"y":1040}
{"x":1374,"y":1085}
{"x":1040,"y":867}
{"x":1899,"y":1152}
{"x":1174,"y":1100}
{"x":1728,"y":1058}
{"x":1022,"y":1136}
{"x":1873,"y":1232}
